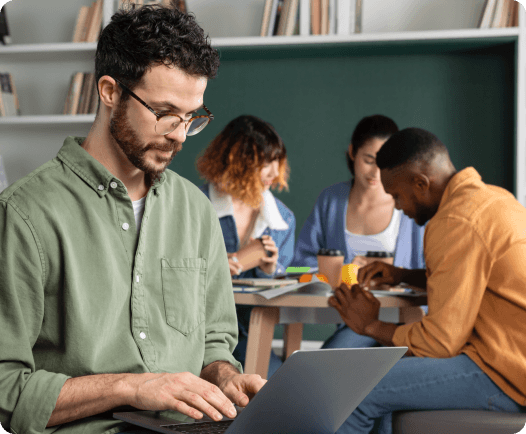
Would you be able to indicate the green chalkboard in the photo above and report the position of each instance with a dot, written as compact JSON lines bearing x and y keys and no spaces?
{"x":463,"y":91}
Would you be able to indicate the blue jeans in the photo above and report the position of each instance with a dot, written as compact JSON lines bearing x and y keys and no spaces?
{"x":344,"y":337}
{"x":417,"y":383}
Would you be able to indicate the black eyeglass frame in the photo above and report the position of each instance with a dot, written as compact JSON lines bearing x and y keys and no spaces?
{"x":158,"y":116}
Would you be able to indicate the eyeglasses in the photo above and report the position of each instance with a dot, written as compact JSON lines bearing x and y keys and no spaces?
{"x":168,"y":122}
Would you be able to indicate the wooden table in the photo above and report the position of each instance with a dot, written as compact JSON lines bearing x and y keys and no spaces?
{"x":293,"y":310}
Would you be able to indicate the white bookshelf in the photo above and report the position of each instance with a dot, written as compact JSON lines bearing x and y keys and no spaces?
{"x":42,"y":61}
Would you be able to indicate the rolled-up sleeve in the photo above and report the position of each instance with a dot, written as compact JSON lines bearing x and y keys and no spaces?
{"x":28,"y":396}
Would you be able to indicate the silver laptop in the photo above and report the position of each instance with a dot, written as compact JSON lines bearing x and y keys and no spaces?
{"x":312,"y":392}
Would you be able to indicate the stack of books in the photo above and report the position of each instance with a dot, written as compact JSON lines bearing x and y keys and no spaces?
{"x":8,"y":97}
{"x":499,"y":13}
{"x":311,"y":17}
{"x":89,"y":23}
{"x":82,"y":97}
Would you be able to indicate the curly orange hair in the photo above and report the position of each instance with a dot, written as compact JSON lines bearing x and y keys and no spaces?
{"x":234,"y":159}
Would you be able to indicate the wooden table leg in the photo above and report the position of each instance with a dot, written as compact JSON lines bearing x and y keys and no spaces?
{"x":259,"y":343}
{"x":292,"y":338}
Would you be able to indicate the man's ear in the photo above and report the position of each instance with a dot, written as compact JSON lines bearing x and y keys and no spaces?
{"x":109,"y":91}
{"x":421,"y":184}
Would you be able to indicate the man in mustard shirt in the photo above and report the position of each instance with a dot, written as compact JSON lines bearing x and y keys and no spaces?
{"x":115,"y":289}
{"x":468,"y":352}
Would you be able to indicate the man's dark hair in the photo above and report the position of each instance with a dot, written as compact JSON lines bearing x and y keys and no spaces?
{"x":370,"y":127}
{"x":408,"y":146}
{"x":137,"y":39}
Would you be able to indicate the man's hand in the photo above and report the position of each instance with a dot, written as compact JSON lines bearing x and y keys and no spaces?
{"x":357,"y":307}
{"x":268,"y":263}
{"x":389,"y":274}
{"x":241,"y":388}
{"x":183,"y":392}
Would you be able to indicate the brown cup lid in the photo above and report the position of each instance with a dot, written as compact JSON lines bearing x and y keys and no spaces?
{"x":330,"y":252}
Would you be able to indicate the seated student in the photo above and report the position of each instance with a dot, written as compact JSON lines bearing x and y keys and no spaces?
{"x":241,"y":164}
{"x":108,"y":256}
{"x":469,"y":350}
{"x":358,"y":216}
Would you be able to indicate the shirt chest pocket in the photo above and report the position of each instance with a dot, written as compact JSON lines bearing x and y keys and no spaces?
{"x":183,"y":283}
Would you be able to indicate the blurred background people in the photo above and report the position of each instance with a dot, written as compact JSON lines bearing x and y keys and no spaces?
{"x":359,"y":218}
{"x":240,"y":166}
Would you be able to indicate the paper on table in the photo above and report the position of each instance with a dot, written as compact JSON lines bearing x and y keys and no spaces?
{"x":275,"y":292}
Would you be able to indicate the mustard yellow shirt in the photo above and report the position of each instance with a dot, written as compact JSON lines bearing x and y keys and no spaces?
{"x":475,"y":252}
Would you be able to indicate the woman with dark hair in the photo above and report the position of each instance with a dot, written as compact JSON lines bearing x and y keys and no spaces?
{"x":359,"y":218}
{"x":240,"y":166}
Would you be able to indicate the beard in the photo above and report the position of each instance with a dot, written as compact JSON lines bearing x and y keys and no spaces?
{"x":422,"y":214}
{"x":128,"y":140}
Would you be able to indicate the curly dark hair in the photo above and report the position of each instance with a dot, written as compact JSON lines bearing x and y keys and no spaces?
{"x":137,"y":39}
{"x":234,"y":159}
{"x":370,"y":127}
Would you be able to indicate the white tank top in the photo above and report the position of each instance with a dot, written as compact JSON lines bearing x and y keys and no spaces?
{"x":383,"y":242}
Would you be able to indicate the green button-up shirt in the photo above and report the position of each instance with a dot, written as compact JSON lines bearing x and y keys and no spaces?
{"x":82,"y":293}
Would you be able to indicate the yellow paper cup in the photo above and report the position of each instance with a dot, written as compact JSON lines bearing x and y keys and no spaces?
{"x":349,"y":274}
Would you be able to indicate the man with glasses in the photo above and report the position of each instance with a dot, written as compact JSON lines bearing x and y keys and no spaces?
{"x":115,"y":288}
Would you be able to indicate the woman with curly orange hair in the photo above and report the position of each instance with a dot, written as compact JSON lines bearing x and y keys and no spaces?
{"x":240,"y":166}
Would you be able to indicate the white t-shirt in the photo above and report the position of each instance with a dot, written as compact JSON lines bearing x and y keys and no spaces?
{"x":138,"y":211}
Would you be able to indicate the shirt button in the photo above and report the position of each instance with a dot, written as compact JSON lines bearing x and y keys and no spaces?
{"x":125,"y":226}
{"x":137,"y":278}
{"x":142,"y":335}
{"x":113,"y":184}
{"x":100,"y":187}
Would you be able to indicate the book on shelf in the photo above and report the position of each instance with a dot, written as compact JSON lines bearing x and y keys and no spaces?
{"x":73,"y":96}
{"x":5,"y":38}
{"x":292,"y":18}
{"x":88,"y":85}
{"x":95,"y":24}
{"x":266,"y":18}
{"x":324,"y":17}
{"x":89,"y":23}
{"x":285,"y":9}
{"x":500,"y":17}
{"x":346,"y":13}
{"x":94,"y":102}
{"x":315,"y":7}
{"x":515,"y":19}
{"x":81,"y":22}
{"x":9,"y":97}
{"x":358,"y":15}
{"x":304,"y":23}
{"x":332,"y":17}
{"x":488,"y":11}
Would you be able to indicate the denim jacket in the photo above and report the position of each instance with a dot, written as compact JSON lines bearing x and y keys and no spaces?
{"x":325,"y":227}
{"x":281,"y":230}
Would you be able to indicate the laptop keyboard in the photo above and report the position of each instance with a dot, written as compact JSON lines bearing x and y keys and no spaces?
{"x":205,"y":427}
